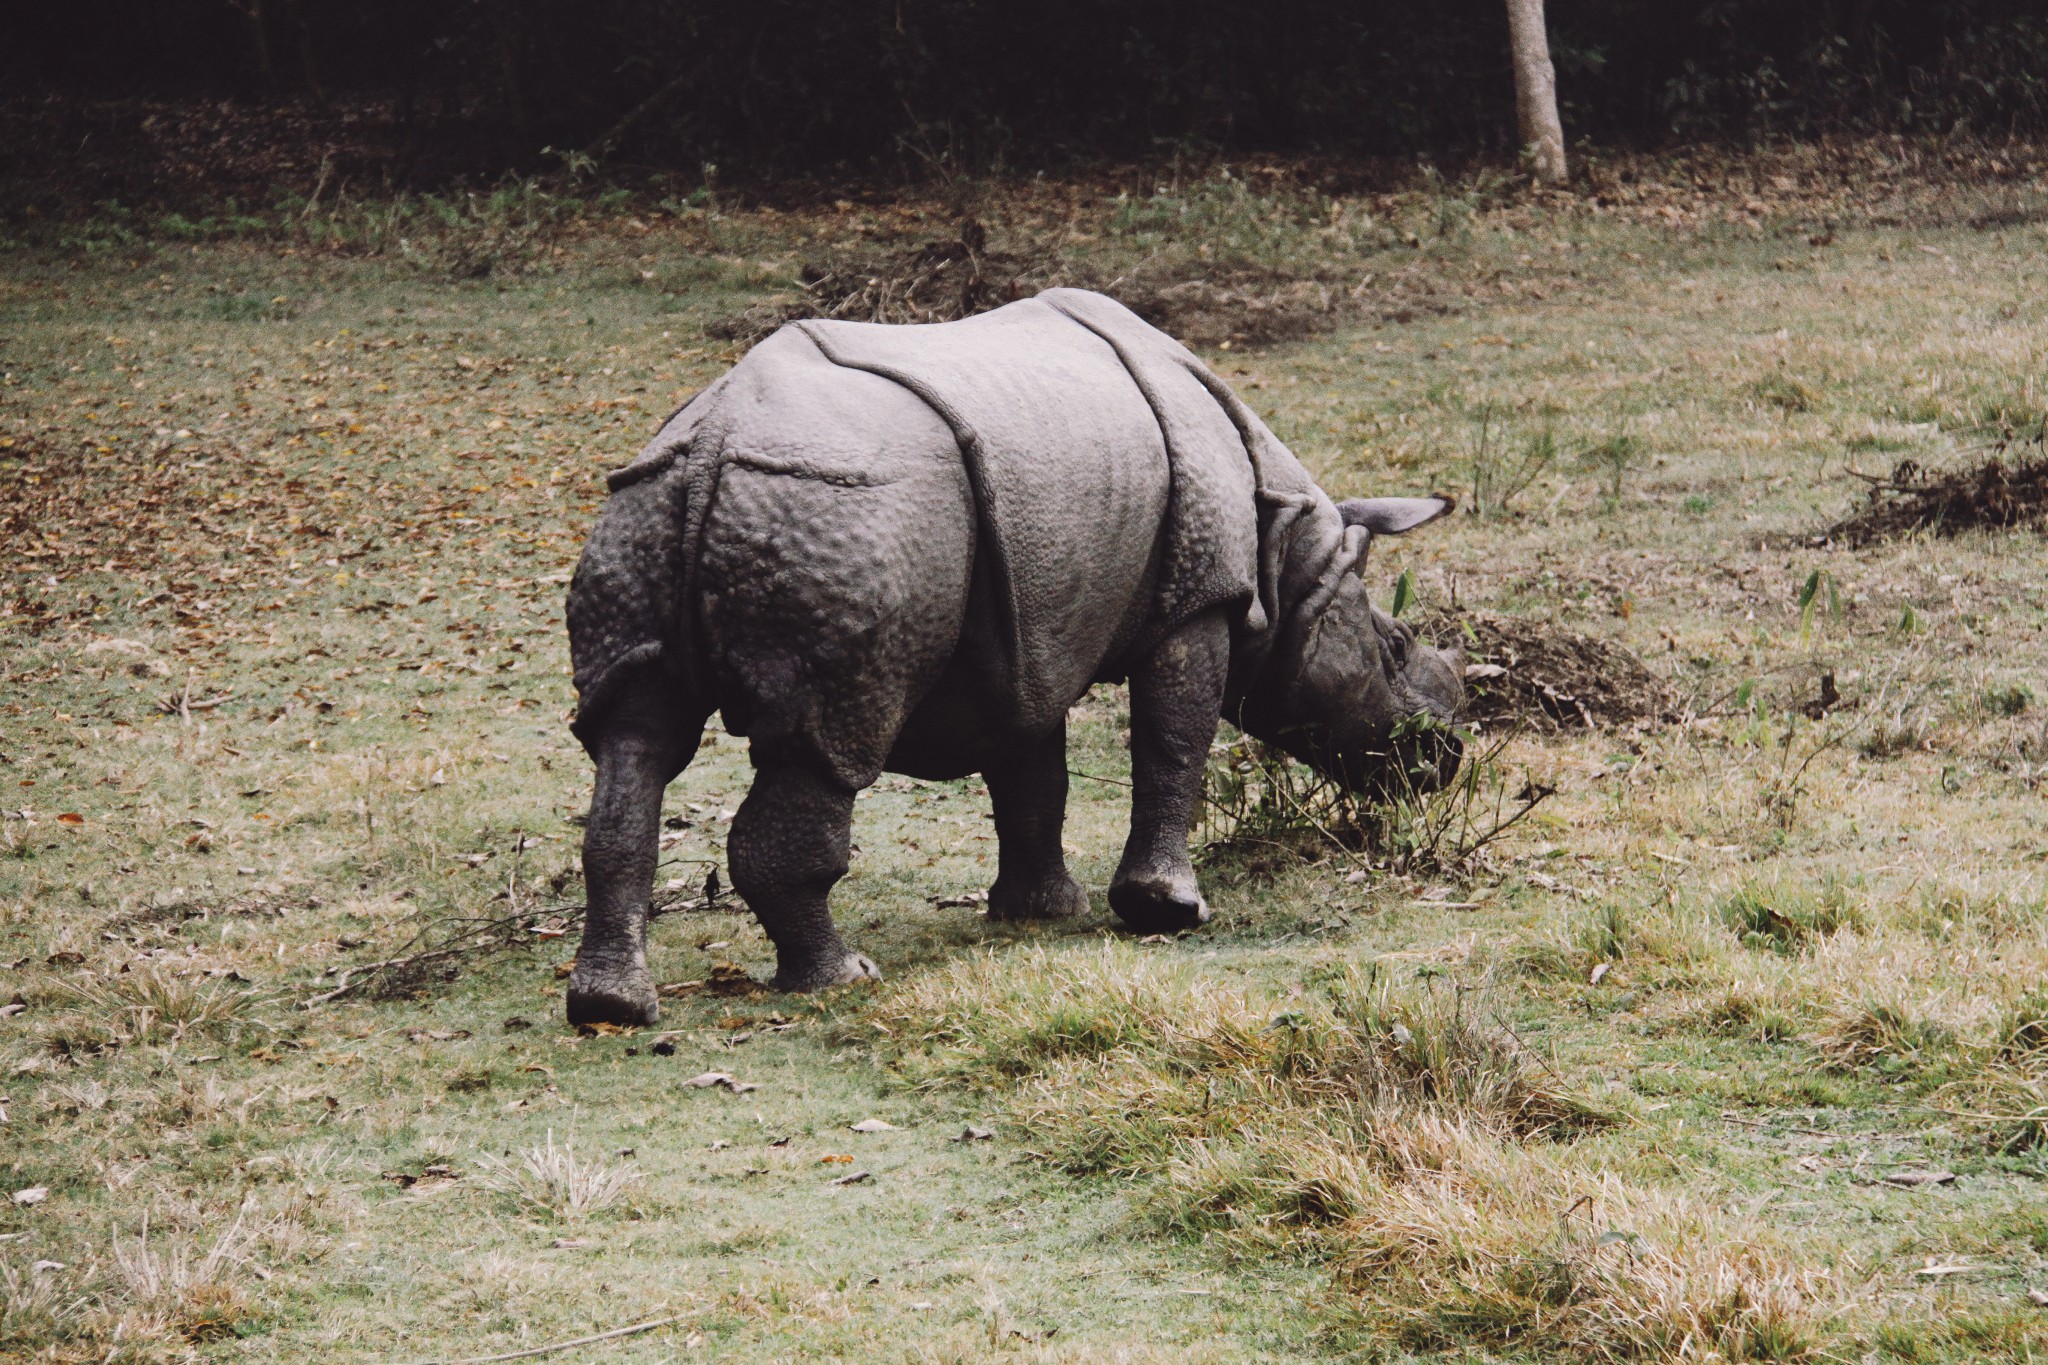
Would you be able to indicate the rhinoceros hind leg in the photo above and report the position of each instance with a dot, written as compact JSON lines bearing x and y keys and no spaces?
{"x":1027,"y":785}
{"x":645,"y":741}
{"x":790,"y":844}
{"x":1176,"y":701}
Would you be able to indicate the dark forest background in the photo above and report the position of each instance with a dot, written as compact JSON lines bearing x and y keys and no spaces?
{"x":773,"y":88}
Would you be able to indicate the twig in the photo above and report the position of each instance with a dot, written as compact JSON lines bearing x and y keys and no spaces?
{"x":464,"y":937}
{"x":550,"y":1349}
{"x":603,"y":146}
{"x":476,"y":936}
{"x":2041,"y":1117}
{"x":346,"y":983}
{"x":1790,"y":1128}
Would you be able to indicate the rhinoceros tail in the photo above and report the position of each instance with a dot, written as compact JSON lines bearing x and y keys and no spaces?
{"x":626,"y":602}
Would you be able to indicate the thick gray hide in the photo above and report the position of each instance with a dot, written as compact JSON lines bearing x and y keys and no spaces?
{"x":1118,"y":488}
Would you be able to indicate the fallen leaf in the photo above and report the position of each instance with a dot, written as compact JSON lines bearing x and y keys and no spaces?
{"x":1911,"y":1179}
{"x":720,"y":1145}
{"x":44,"y":1267}
{"x":516,"y":1023}
{"x":833,"y":1160}
{"x":36,"y":1194}
{"x":1155,"y":940}
{"x":438,"y":1035}
{"x":973,"y":1134}
{"x":71,"y":817}
{"x":874,"y":1126}
{"x":1600,"y":973}
{"x":570,"y":1243}
{"x":13,"y":1007}
{"x":711,"y":1078}
{"x":853,"y":1178}
{"x":598,"y":1030}
{"x":2038,"y":1296}
{"x":1954,"y":1268}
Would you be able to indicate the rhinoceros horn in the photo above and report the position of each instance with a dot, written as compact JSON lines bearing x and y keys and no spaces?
{"x":1392,"y":516}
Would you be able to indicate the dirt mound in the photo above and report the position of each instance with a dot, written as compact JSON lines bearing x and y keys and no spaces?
{"x":1994,"y":494}
{"x":959,"y":277}
{"x":1550,"y":678}
{"x":936,"y":282}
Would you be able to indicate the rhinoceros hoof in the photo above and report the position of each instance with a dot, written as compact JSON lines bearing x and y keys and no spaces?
{"x":816,"y":974}
{"x":601,"y":993}
{"x":1156,"y":905}
{"x":1047,"y":900}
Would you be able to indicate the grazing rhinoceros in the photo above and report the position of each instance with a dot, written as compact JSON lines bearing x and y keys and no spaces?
{"x":914,"y":548}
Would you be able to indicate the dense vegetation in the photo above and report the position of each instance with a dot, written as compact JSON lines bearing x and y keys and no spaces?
{"x":807,"y":84}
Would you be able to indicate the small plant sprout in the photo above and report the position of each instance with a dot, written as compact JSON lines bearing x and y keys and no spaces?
{"x":1819,"y":592}
{"x":1500,"y":476}
{"x":1404,"y":593}
{"x":1612,"y":459}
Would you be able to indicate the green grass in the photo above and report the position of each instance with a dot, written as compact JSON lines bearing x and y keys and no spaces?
{"x":280,"y":626}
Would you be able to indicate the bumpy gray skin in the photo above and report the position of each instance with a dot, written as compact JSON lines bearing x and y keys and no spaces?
{"x":913,"y":549}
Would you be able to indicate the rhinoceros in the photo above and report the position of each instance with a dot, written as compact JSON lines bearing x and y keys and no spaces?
{"x":913,"y":549}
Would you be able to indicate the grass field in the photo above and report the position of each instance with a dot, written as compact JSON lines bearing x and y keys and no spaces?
{"x":1734,"y":1049}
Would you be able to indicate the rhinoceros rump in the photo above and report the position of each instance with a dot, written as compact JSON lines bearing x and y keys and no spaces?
{"x":914,"y":548}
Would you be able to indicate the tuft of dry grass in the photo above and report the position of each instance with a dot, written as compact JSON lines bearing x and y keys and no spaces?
{"x":1402,"y":1134}
{"x":142,"y":1006}
{"x":556,"y":1181}
{"x":36,"y":1306}
{"x":166,"y":1290}
{"x":1491,"y":1244}
{"x":1782,"y":919}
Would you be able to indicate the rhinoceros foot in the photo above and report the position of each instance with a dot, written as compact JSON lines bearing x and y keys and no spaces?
{"x":610,"y":992}
{"x":815,"y":974}
{"x":1158,"y":905}
{"x":1051,"y":899}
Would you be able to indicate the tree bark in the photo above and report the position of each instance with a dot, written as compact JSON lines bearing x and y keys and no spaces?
{"x":1536,"y":91}
{"x":259,"y":39}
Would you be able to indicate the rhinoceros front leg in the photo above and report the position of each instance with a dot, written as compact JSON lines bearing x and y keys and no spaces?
{"x":790,"y":843}
{"x":642,"y":747}
{"x":1176,"y":702}
{"x":1027,"y":785}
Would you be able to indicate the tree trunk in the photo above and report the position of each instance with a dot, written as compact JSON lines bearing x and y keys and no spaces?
{"x":259,"y":40}
{"x":1536,"y":91}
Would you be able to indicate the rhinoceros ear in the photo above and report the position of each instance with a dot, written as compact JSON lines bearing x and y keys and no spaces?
{"x":1392,"y":516}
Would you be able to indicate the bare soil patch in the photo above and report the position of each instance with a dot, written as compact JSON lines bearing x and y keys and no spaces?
{"x":1997,"y":494}
{"x":956,"y":277}
{"x":1536,"y":673}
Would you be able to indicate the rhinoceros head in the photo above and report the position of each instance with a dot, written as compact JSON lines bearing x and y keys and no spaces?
{"x":1356,"y":695}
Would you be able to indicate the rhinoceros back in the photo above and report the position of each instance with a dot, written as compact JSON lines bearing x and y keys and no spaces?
{"x":1104,"y":461}
{"x":1069,"y":472}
